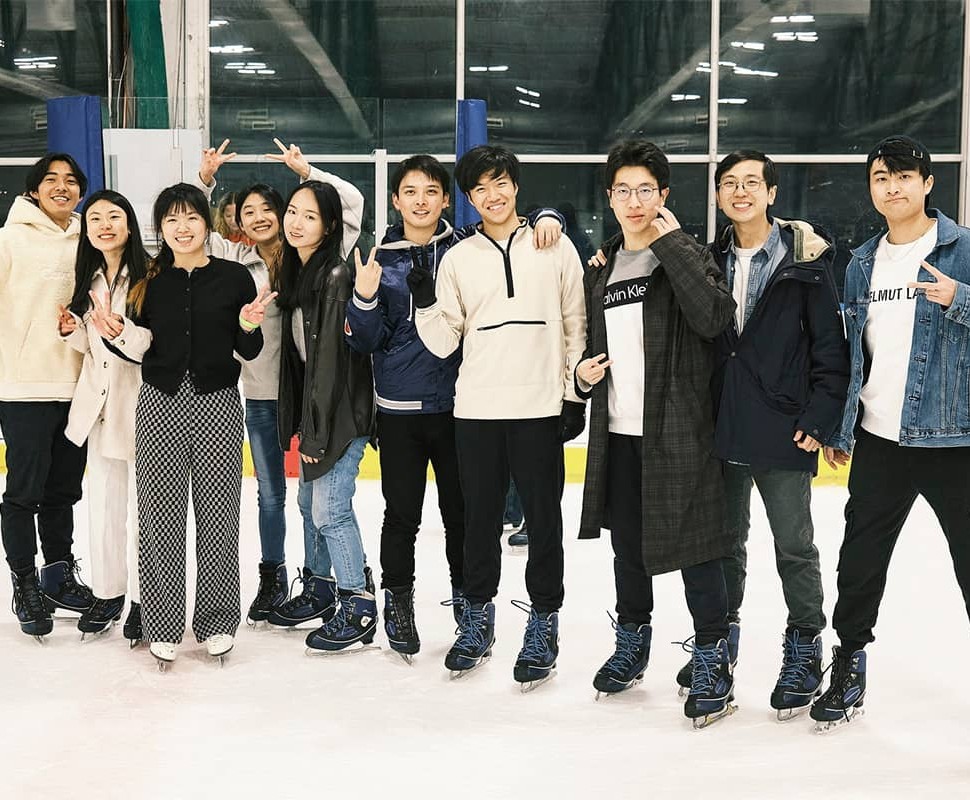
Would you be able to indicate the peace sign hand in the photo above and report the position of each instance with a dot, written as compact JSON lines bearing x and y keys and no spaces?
{"x":109,"y":325}
{"x":292,"y":156}
{"x":66,"y":323}
{"x":255,"y":312}
{"x":941,"y":291}
{"x":368,"y":275}
{"x":212,"y":159}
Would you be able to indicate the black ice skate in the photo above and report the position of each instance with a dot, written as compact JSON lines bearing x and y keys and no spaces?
{"x":402,"y":633}
{"x":520,"y":538}
{"x":626,"y":666}
{"x":132,"y":628}
{"x":318,"y":600}
{"x":351,"y":629}
{"x":476,"y":636}
{"x":536,"y":663}
{"x":101,"y":616}
{"x":800,"y":679}
{"x":62,"y":589}
{"x":712,"y":685}
{"x":28,"y":604}
{"x":272,"y":592}
{"x":842,"y":703}
{"x":686,"y":671}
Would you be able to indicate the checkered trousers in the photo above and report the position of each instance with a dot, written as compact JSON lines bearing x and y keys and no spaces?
{"x":194,"y":440}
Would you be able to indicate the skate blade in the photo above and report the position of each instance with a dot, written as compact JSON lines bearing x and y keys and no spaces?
{"x":788,"y":714}
{"x":41,"y":638}
{"x":407,"y":658}
{"x":705,"y":722}
{"x":635,"y":682}
{"x":458,"y":674}
{"x":90,"y":636}
{"x":133,"y":643}
{"x":828,"y":727}
{"x":531,"y":686}
{"x":162,"y":664}
{"x":358,"y":647}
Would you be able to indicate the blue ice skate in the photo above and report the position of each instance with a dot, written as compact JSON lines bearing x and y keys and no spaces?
{"x":318,"y":600}
{"x":62,"y":587}
{"x":712,"y":684}
{"x":842,"y":702}
{"x":626,"y":666}
{"x":399,"y":625}
{"x":27,"y":603}
{"x":734,"y":647}
{"x":476,"y":636}
{"x":354,"y":624}
{"x":540,"y":647}
{"x":800,"y":679}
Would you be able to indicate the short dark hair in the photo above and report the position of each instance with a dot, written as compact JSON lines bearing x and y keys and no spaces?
{"x":638,"y":153}
{"x":272,"y":197}
{"x":487,"y":160}
{"x":37,"y":172}
{"x":768,"y":170}
{"x":429,"y":165}
{"x":901,"y":153}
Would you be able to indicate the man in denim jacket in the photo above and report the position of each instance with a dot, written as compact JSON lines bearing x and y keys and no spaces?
{"x":907,"y":312}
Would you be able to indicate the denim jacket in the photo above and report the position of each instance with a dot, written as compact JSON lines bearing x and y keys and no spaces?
{"x":936,"y":409}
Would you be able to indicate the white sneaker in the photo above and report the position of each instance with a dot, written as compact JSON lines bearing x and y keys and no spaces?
{"x":163,"y":651}
{"x":219,"y":644}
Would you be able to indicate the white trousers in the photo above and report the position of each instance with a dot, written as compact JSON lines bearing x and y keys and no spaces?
{"x":112,"y":522}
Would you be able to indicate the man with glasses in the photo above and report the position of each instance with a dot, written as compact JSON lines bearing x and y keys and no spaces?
{"x":907,"y":313}
{"x":652,"y":312}
{"x":780,"y":384}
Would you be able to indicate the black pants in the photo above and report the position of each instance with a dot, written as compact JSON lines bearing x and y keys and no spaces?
{"x":883,"y":485}
{"x":406,"y":443}
{"x":44,"y":472}
{"x":487,"y":451}
{"x":704,"y":584}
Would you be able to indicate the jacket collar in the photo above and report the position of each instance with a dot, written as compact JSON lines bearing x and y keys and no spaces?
{"x":394,"y":237}
{"x":804,"y":242}
{"x":947,"y":232}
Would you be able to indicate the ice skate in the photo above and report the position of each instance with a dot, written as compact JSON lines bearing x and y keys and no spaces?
{"x":218,"y":646}
{"x":842,"y":703}
{"x":63,"y":588}
{"x":28,"y":604}
{"x":800,"y":679}
{"x":164,"y":653}
{"x":101,"y":617}
{"x":132,"y":628}
{"x":711,"y":693}
{"x":350,"y":630}
{"x":402,"y":633}
{"x":626,"y":666}
{"x":734,"y":646}
{"x":318,"y":600}
{"x":272,"y":592}
{"x":520,"y":539}
{"x":476,"y":637}
{"x":536,"y":663}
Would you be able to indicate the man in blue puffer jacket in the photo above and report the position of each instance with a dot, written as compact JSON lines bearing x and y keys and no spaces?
{"x":415,"y":390}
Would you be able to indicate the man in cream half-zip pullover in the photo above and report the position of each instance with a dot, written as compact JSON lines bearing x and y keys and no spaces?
{"x":519,"y":315}
{"x":37,"y":379}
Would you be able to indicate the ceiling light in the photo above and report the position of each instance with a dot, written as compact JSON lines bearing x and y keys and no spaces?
{"x":231,"y":49}
{"x":778,"y":20}
{"x":726,"y":64}
{"x":529,"y":92}
{"x":267,"y":71}
{"x":702,"y":68}
{"x":763,"y":73}
{"x":218,"y":23}
{"x":801,"y":18}
{"x":478,"y":69}
{"x":529,"y":103}
{"x":499,"y":68}
{"x":246,"y":71}
{"x":807,"y":36}
{"x":749,"y":45}
{"x":785,"y":36}
{"x":733,"y":101}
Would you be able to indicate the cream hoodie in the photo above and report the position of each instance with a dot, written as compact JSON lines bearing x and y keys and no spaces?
{"x":36,"y":276}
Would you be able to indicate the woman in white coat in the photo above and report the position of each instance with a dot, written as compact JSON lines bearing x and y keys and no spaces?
{"x":110,"y":260}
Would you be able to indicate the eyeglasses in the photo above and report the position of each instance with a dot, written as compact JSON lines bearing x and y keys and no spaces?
{"x":622,"y":192}
{"x":730,"y":186}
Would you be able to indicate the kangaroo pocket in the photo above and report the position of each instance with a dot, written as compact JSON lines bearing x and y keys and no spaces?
{"x":513,"y":353}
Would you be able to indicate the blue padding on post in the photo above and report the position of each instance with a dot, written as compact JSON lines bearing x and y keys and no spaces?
{"x":74,"y":127}
{"x":470,"y":131}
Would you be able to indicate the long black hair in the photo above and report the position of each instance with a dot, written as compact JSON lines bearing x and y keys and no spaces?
{"x":180,"y":197}
{"x":297,"y":279}
{"x":89,"y":259}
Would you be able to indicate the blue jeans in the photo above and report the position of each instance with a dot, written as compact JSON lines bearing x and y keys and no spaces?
{"x":331,"y":535}
{"x":264,"y":442}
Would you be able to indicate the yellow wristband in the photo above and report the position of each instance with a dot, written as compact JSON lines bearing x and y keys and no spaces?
{"x":246,"y":325}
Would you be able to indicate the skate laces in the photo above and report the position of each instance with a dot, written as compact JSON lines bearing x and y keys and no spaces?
{"x":28,"y":590}
{"x":705,"y":662}
{"x":471,"y":636}
{"x":535,"y":643}
{"x":796,"y":661}
{"x":73,"y":580}
{"x":401,"y":612}
{"x":267,"y":588}
{"x":628,"y":645}
{"x":293,"y":601}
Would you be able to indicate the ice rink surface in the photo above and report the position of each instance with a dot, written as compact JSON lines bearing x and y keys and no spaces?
{"x":95,"y":720}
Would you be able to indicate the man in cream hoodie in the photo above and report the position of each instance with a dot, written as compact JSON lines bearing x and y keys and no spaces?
{"x":519,"y":315}
{"x":38,"y":373}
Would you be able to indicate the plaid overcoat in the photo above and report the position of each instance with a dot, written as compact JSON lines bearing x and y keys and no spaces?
{"x":687,"y":305}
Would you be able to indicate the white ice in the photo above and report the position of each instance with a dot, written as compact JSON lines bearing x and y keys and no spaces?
{"x":95,"y":720}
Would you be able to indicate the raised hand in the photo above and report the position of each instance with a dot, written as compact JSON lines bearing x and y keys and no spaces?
{"x":292,"y":156}
{"x":597,"y":260}
{"x":106,"y":323}
{"x":368,"y":275}
{"x":66,"y":324}
{"x":547,"y":232}
{"x":255,"y":312}
{"x":212,"y":159}
{"x":665,"y":222}
{"x":941,"y":291}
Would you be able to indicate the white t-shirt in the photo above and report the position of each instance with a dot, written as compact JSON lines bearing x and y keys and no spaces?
{"x":888,"y":334}
{"x":742,"y":274}
{"x":623,"y":306}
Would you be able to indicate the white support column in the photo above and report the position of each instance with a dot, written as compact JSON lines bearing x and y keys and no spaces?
{"x":964,"y":209}
{"x":712,"y":118}
{"x":380,"y":194}
{"x":459,"y":49}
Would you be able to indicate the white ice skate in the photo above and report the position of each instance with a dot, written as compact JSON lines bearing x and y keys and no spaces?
{"x":219,"y":645}
{"x":164,"y":653}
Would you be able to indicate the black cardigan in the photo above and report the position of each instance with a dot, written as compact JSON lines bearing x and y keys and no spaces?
{"x":194,"y":320}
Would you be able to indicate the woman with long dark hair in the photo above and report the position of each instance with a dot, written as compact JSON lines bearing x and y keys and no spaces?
{"x":110,"y":260}
{"x":259,"y":212}
{"x":188,"y":424}
{"x":327,"y":397}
